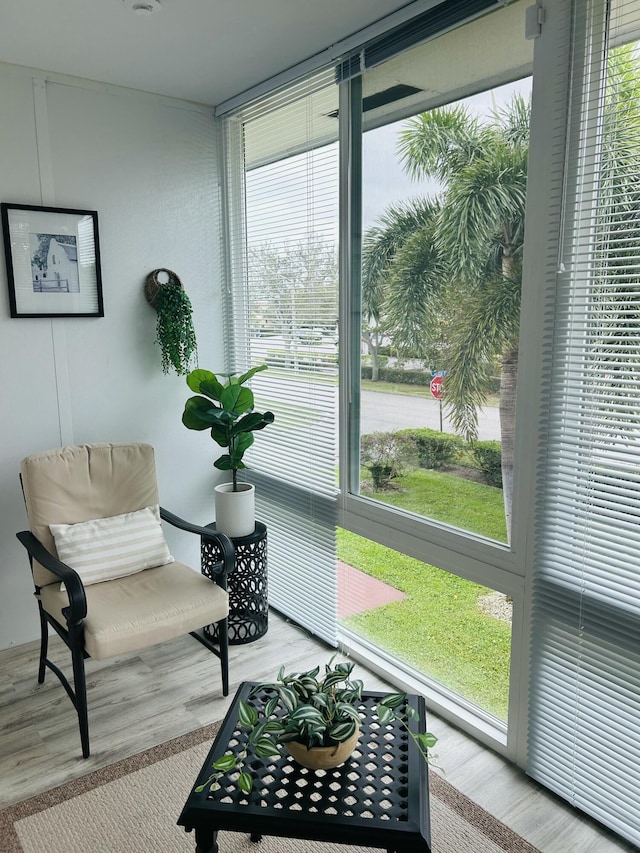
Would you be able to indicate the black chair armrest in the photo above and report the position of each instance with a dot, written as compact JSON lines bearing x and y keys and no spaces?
{"x":77,"y":609}
{"x":223,"y":542}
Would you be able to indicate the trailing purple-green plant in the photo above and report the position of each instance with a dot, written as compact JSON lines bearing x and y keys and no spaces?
{"x":311,"y":709}
{"x":226,"y":409}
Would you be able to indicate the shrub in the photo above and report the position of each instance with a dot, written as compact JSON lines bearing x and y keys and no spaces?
{"x":487,"y":456}
{"x":384,"y":455}
{"x":406,"y":377}
{"x":399,"y":376}
{"x":435,"y":449}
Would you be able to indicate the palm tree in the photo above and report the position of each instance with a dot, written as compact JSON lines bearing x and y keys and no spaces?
{"x":447,"y":271}
{"x":408,"y":228}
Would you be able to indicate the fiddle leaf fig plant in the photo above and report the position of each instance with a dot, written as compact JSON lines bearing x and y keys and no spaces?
{"x":226,"y":409}
{"x":312,"y":709}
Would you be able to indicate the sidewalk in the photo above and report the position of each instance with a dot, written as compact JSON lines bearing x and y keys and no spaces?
{"x":358,"y":592}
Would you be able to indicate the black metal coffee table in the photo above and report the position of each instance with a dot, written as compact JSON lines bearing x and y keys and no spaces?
{"x":378,"y":798}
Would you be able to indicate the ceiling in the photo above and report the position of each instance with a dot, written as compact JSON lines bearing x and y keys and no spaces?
{"x":199,"y":50}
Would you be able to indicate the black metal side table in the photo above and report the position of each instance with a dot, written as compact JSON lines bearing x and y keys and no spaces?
{"x":378,"y":798}
{"x":248,"y":604}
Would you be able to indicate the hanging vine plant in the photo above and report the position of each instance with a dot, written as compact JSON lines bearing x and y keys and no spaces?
{"x":174,"y":327}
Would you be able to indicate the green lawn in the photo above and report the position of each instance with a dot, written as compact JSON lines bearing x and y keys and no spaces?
{"x":472,"y":506}
{"x":438,"y":628}
{"x":396,"y":388}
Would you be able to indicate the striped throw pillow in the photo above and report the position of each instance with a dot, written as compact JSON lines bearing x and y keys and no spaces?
{"x":107,"y":548}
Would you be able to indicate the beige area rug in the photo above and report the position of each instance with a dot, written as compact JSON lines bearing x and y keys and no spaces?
{"x":132,"y":807}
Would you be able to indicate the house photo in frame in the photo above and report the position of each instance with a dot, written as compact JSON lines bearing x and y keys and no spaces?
{"x":53,"y":261}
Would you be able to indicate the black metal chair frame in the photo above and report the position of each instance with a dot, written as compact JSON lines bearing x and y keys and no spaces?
{"x":73,"y":633}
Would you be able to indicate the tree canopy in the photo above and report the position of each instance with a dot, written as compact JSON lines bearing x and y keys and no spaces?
{"x":294,"y":287}
{"x":445,"y":272}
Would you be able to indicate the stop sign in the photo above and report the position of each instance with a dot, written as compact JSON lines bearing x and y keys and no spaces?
{"x":435,"y":386}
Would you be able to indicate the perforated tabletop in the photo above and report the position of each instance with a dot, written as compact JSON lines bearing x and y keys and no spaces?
{"x":378,"y":798}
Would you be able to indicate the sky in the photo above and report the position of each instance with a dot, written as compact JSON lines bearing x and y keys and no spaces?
{"x":280,"y":205}
{"x":383,"y":179}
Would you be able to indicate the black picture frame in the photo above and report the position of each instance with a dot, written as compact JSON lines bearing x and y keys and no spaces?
{"x":53,"y":261}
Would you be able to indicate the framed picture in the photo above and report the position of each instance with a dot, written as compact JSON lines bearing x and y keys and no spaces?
{"x":53,"y":261}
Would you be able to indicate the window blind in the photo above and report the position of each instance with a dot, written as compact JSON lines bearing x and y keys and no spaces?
{"x":282,"y":157}
{"x":584,"y":737}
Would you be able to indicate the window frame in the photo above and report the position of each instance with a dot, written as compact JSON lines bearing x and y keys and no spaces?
{"x":506,"y":568}
{"x":462,"y":552}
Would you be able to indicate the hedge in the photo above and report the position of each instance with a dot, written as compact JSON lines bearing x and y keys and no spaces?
{"x":435,"y":449}
{"x":487,"y":456}
{"x":402,"y":377}
{"x":418,"y":377}
{"x":304,"y":359}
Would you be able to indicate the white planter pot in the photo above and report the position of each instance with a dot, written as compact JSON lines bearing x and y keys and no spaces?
{"x":235,"y":511}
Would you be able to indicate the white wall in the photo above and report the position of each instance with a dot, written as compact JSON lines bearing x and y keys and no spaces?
{"x":148,"y":165}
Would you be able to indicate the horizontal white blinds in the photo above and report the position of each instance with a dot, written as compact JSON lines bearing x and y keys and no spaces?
{"x":285,"y":293}
{"x":302,"y":553}
{"x":585,"y":690}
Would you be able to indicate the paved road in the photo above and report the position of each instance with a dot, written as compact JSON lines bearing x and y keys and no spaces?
{"x":380,"y":412}
{"x":386,"y":412}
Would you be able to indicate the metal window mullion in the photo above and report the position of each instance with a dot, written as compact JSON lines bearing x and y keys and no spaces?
{"x":350,"y":280}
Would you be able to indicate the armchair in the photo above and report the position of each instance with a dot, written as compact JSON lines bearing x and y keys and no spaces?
{"x":104,"y":578}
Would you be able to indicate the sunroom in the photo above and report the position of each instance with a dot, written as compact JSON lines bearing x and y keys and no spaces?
{"x":450,"y":192}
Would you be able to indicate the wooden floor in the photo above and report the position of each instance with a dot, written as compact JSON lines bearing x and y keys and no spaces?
{"x":141,"y":700}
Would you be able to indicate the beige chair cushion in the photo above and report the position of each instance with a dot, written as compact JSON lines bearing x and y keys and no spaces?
{"x":81,"y":482}
{"x":131,"y":613}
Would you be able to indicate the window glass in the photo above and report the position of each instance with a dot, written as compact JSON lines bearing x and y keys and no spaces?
{"x":443,"y":627}
{"x":283,"y":187}
{"x":443,"y":200}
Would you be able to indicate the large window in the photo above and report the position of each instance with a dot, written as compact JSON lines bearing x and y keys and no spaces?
{"x":443,"y":196}
{"x":436,"y":283}
{"x":366,"y":533}
{"x":283,"y":187}
{"x":443,"y":234}
{"x":440,"y":483}
{"x":585,"y":689}
{"x":445,"y":630}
